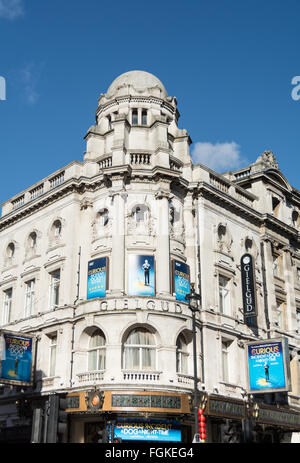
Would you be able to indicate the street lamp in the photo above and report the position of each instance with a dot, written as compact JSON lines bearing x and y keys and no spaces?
{"x":193,"y":299}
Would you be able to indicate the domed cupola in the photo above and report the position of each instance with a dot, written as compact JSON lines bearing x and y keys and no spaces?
{"x":136,"y":83}
{"x":136,"y":125}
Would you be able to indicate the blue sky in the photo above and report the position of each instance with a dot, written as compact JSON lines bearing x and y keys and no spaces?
{"x":230,"y":64}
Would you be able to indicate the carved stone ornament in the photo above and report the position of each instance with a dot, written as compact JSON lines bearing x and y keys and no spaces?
{"x":224,"y":239}
{"x":268,"y":158}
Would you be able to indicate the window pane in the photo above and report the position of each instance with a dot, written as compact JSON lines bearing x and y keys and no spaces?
{"x":101,"y":359}
{"x":97,"y":340}
{"x":134,"y":116}
{"x":53,"y":355}
{"x":148,"y":359}
{"x":184,"y":359}
{"x":132,"y":358}
{"x":54,"y":289}
{"x":144,"y":117}
{"x":225,"y":361}
{"x":140,"y":337}
{"x":92,"y":364}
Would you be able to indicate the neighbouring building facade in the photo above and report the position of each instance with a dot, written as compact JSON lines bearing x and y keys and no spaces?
{"x":122,"y":348}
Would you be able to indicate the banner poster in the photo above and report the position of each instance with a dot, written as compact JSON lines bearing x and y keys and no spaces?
{"x":268,"y":369}
{"x":248,"y":286}
{"x":141,"y":275}
{"x":181,"y":280}
{"x":97,"y":278}
{"x":17,"y":358}
{"x":137,"y":430}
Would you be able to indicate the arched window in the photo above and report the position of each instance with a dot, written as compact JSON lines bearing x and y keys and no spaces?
{"x":181,"y":355}
{"x":96,"y":353}
{"x":32,"y":240}
{"x":10,"y":250}
{"x":140,"y":213}
{"x":56,"y":229}
{"x":295,"y":218}
{"x":103,"y":217}
{"x":140,"y":350}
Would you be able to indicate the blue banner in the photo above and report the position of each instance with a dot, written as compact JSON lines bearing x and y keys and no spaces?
{"x":266,"y":362}
{"x":16,"y":359}
{"x":97,"y":278}
{"x":141,"y":275}
{"x":181,"y":275}
{"x":163,"y":431}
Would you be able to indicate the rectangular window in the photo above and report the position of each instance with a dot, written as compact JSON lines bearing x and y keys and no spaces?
{"x":29,"y":298}
{"x":7,"y":306}
{"x":224,"y":295}
{"x":225,"y":360}
{"x":52,"y":362}
{"x":54,"y":289}
{"x":134,"y":117}
{"x":144,"y":117}
{"x":298,"y":320}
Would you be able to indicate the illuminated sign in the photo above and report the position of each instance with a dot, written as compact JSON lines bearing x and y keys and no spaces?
{"x":268,"y":366}
{"x":248,"y":286}
{"x":17,"y":358}
{"x":159,"y":431}
{"x":181,"y":280}
{"x":141,"y":275}
{"x":97,"y":283}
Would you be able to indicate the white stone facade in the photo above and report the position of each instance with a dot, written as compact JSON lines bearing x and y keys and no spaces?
{"x":137,"y":192}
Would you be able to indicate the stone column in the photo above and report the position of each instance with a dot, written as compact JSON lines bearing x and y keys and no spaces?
{"x":271,"y":299}
{"x":290,"y":315}
{"x":190,"y":236}
{"x":117,"y":267}
{"x":163,"y":244}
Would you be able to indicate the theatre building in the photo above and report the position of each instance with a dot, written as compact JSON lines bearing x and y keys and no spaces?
{"x":97,"y":259}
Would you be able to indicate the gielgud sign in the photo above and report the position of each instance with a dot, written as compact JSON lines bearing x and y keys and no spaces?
{"x":248,"y":286}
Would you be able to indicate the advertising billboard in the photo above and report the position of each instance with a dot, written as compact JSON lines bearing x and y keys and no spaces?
{"x":17,"y":358}
{"x":159,"y":431}
{"x":268,"y":366}
{"x":181,"y":280}
{"x":248,"y":286}
{"x":141,"y":275}
{"x":97,"y":283}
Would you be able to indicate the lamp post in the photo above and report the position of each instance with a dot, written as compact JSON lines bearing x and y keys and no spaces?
{"x":193,"y":299}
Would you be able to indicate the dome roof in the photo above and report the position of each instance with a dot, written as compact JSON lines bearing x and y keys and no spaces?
{"x":136,"y":83}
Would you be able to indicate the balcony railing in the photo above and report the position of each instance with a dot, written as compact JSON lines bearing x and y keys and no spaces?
{"x":91,"y":376}
{"x":188,"y":380}
{"x":105,"y":163}
{"x":19,"y":202}
{"x":141,"y":376}
{"x":140,"y":159}
{"x":57,"y":180}
{"x":36,"y":192}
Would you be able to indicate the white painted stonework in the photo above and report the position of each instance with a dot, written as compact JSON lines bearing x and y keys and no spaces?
{"x":137,"y":156}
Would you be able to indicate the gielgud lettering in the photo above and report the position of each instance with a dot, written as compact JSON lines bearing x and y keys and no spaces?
{"x":248,"y":293}
{"x":142,"y":304}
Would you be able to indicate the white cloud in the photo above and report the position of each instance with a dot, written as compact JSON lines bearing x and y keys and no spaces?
{"x":11,"y":9}
{"x":219,"y":157}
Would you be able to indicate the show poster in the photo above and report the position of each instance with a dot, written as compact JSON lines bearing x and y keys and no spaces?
{"x":163,"y":431}
{"x":267,"y":366}
{"x":181,"y":280}
{"x":97,"y":278}
{"x":141,"y":275}
{"x":17,"y":358}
